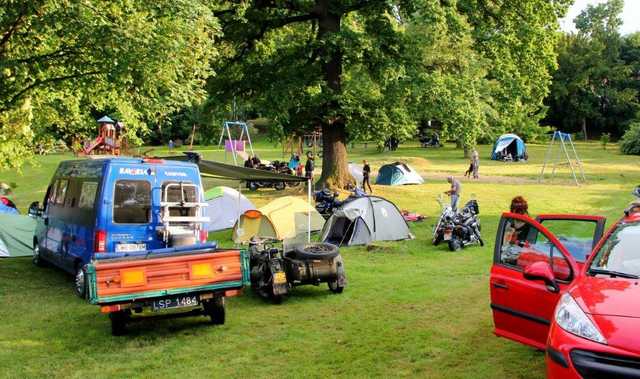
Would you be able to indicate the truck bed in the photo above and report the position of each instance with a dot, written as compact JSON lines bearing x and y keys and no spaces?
{"x":143,"y":277}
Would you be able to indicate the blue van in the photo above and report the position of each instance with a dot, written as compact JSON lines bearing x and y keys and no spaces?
{"x":115,"y":205}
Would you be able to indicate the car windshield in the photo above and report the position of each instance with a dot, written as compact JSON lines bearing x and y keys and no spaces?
{"x":620,"y":252}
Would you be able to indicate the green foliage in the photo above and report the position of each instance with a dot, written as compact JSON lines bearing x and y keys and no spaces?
{"x":630,"y":142}
{"x":136,"y":60}
{"x":595,"y":88}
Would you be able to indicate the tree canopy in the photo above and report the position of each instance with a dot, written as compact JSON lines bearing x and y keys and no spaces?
{"x":64,"y":62}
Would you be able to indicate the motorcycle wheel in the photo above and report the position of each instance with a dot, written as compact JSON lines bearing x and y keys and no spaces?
{"x":481,"y":242}
{"x":436,"y":240}
{"x":454,"y":244}
{"x":253,"y":186}
{"x":279,"y":186}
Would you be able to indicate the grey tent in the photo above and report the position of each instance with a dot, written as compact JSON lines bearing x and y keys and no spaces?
{"x":16,"y":235}
{"x":364,"y":220}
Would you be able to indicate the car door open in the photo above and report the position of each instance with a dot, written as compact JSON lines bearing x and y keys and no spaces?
{"x":531,"y":268}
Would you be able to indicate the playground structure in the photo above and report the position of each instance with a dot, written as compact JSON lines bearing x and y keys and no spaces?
{"x":108,"y":141}
{"x":563,"y":156}
{"x":296,"y":144}
{"x":235,"y":146}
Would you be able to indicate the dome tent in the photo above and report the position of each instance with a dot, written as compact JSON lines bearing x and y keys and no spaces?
{"x":282,"y":218}
{"x":509,"y":144}
{"x":397,"y":173}
{"x":364,"y":220}
{"x":225,"y":205}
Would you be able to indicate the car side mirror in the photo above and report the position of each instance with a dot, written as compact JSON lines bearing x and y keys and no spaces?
{"x":34,"y":209}
{"x":542,"y":271}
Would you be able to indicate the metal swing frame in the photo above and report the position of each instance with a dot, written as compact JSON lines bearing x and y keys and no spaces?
{"x":244,"y":128}
{"x":562,"y":140}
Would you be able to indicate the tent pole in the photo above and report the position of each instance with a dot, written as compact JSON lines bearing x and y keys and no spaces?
{"x":309,"y":211}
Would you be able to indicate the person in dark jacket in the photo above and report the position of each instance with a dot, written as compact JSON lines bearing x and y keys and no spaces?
{"x":309,"y":166}
{"x":366,"y":171}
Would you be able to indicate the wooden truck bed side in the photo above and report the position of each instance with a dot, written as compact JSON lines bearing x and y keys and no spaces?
{"x":123,"y":280}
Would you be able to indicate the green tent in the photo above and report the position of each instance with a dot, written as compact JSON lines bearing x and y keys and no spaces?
{"x":16,"y":235}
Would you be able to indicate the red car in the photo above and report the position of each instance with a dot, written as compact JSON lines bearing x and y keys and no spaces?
{"x":556,"y":285}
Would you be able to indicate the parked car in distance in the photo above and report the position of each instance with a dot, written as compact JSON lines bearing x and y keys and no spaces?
{"x":557,"y":286}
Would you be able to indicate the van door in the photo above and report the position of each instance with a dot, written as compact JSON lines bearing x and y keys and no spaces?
{"x":55,"y":223}
{"x":523,"y":308}
{"x":129,"y":214}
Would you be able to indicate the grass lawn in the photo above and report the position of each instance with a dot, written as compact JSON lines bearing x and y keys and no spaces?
{"x":410,"y":309}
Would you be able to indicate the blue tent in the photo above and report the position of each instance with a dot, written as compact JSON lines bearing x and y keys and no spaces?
{"x":398,"y":174}
{"x":509,"y":145}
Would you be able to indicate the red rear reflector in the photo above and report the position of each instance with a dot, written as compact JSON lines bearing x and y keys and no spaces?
{"x":100,"y":241}
{"x":110,"y":308}
{"x":231,"y":293}
{"x":252,"y":214}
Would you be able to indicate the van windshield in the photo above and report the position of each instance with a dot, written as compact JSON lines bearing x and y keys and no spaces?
{"x":132,"y":202}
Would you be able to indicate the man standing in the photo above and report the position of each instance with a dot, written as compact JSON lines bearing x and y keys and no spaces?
{"x":454,"y":192}
{"x":475,"y":162}
{"x":366,"y":170}
{"x":309,"y":166}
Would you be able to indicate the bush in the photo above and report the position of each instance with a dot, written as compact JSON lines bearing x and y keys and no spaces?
{"x":630,"y":142}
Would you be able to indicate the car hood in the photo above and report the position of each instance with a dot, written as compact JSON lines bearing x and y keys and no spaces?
{"x":606,"y":296}
{"x":620,"y":332}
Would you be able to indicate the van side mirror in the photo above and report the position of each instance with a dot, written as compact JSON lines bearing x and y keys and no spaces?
{"x":542,"y":271}
{"x":34,"y":209}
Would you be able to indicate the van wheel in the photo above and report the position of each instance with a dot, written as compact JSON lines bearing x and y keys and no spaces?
{"x":80,"y":282}
{"x":119,"y":323}
{"x":37,"y":259}
{"x":215,"y":309}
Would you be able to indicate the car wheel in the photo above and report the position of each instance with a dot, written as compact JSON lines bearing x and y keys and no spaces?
{"x":80,"y":282}
{"x":279,"y":186}
{"x":119,"y":322}
{"x":316,"y":251}
{"x":37,"y":258}
{"x":215,"y":309}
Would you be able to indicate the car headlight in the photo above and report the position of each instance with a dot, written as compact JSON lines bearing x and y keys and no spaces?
{"x":571,"y":318}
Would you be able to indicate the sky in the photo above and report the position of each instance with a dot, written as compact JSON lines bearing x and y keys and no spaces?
{"x":630,"y":15}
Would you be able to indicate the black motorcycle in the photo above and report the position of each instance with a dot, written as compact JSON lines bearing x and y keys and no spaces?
{"x":275,"y":272}
{"x":326,"y":202}
{"x":275,"y":166}
{"x":466,"y":227}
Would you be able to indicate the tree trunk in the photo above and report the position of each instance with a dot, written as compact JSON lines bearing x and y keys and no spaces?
{"x":466,"y":151}
{"x":335,"y":170}
{"x":584,"y":129}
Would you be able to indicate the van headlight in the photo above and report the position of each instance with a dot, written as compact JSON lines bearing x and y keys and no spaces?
{"x":571,"y":318}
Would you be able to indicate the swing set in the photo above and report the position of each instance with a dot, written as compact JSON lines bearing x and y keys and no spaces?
{"x":235,"y":146}
{"x":565,"y":154}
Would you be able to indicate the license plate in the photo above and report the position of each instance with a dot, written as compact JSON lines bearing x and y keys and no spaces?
{"x":447,"y":235}
{"x":279,"y":278}
{"x":176,"y":302}
{"x":130,"y":247}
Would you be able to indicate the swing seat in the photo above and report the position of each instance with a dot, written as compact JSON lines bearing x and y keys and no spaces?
{"x":234,"y":144}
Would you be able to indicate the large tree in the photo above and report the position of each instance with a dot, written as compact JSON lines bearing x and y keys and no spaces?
{"x":357,"y":69}
{"x":594,"y":88}
{"x":62,"y":62}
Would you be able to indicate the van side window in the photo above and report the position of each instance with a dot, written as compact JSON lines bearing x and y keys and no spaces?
{"x":88,"y":195}
{"x":61,"y":191}
{"x":132,"y":202}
